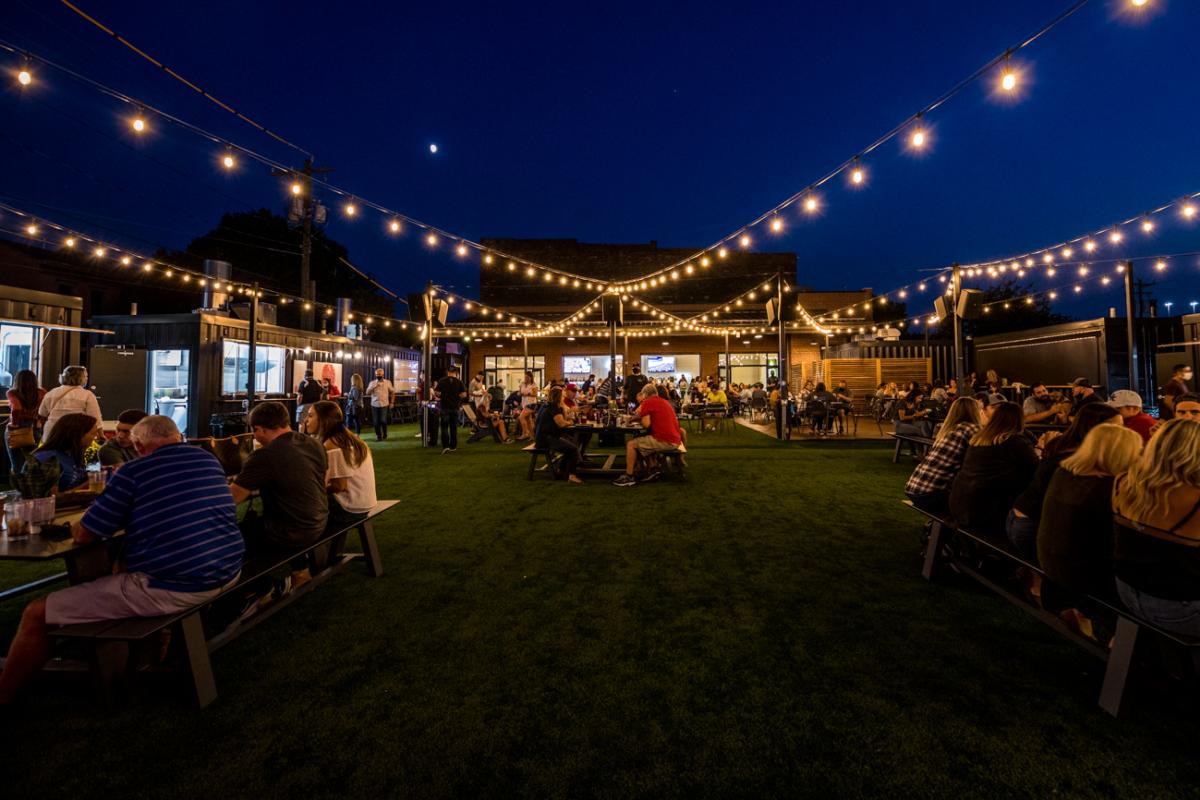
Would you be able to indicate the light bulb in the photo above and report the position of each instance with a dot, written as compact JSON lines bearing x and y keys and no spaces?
{"x":228,"y":161}
{"x":811,"y":205}
{"x":857,"y":176}
{"x":297,"y":188}
{"x":394,"y":226}
{"x":918,"y":138}
{"x":139,"y":124}
{"x":1009,"y":81}
{"x":431,"y":240}
{"x":31,"y":230}
{"x":351,"y":209}
{"x":776,"y":225}
{"x":1115,"y":237}
{"x":1147,"y":226}
{"x":744,"y":241}
{"x":1089,"y":245}
{"x":25,"y":77}
{"x":1189,"y":211}
{"x":70,"y":242}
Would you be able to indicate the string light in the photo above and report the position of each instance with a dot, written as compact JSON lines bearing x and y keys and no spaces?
{"x":351,"y":209}
{"x":297,"y":188}
{"x":812,"y":204}
{"x":138,"y":123}
{"x":25,"y":75}
{"x":228,"y":161}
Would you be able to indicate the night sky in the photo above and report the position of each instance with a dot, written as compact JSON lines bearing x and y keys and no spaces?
{"x":627,"y":122}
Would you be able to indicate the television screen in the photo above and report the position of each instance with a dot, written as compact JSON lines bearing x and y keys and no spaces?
{"x":577,"y":365}
{"x":660,"y":364}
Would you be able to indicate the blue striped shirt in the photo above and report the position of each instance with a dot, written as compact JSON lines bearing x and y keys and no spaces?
{"x":179,"y":519}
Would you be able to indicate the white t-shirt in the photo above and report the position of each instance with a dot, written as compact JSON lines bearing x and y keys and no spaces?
{"x":63,"y":400}
{"x":359,"y":496}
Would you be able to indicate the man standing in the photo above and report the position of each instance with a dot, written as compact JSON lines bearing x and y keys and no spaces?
{"x":450,"y":393}
{"x":308,"y":391}
{"x":382,"y":395}
{"x":120,"y":449}
{"x":659,"y":419}
{"x":288,"y":472}
{"x":634,"y":385}
{"x":1177,"y":386}
{"x":1130,"y":405}
{"x":180,"y":549}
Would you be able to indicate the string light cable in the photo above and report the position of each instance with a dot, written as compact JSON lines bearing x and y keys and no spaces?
{"x":811,"y":204}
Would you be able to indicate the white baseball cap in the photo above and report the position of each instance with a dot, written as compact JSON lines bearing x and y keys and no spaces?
{"x":1124,"y":397}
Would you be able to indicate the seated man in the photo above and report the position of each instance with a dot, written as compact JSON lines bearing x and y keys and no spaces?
{"x":659,"y":419}
{"x":120,"y":449}
{"x":1040,"y":405}
{"x":1129,"y":404}
{"x":288,"y":471}
{"x":1187,"y":406}
{"x":181,"y":546}
{"x":488,"y":422}
{"x":575,"y":413}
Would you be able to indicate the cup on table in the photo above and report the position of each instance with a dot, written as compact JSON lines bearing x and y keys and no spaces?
{"x":19,"y":519}
{"x":96,"y":479}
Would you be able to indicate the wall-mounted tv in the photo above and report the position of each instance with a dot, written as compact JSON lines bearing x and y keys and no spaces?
{"x":660,"y":364}
{"x":577,"y":365}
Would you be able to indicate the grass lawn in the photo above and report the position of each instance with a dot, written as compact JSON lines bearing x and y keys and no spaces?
{"x":760,"y":629}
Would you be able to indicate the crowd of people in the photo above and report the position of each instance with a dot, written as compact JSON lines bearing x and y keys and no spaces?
{"x":1107,"y":505}
{"x":182,"y":542}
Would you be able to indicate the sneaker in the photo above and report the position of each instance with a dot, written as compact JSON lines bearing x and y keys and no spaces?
{"x":445,"y":450}
{"x":625,"y":480}
{"x":653,"y":476}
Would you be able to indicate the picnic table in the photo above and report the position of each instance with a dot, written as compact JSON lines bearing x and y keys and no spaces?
{"x":82,"y":562}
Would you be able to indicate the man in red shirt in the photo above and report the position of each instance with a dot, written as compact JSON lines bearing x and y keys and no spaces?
{"x":664,"y":435}
{"x":1130,"y":405}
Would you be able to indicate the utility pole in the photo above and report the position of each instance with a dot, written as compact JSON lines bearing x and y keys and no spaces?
{"x":781,"y":422}
{"x":1131,"y":315}
{"x":960,"y":367}
{"x":308,"y":206}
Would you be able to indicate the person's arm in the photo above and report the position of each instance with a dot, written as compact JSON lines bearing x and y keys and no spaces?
{"x":44,"y":409}
{"x":257,"y":473}
{"x":240,"y":495}
{"x":645,"y":420}
{"x":109,"y":513}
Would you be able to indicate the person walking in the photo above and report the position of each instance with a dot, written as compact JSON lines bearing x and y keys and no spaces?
{"x":71,"y":397}
{"x":382,"y":395}
{"x":20,"y":435}
{"x":450,"y":393}
{"x":352,"y":409}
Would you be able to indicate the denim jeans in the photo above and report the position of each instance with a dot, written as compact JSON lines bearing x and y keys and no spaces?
{"x":1179,"y":616}
{"x":379,"y":416}
{"x":449,"y":426}
{"x":1022,"y":532}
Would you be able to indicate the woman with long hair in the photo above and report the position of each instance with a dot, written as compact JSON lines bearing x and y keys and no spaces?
{"x":350,"y":470}
{"x":1157,"y":524}
{"x":67,"y":442}
{"x":529,"y":400}
{"x":552,"y":425}
{"x":352,"y":410}
{"x":929,"y":485}
{"x":20,"y":435}
{"x":1022,"y":523}
{"x":998,"y":465}
{"x":1074,"y":538}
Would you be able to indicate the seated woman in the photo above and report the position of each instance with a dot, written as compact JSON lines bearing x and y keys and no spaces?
{"x":488,"y":422}
{"x":349,"y":471}
{"x":997,"y":467}
{"x":1157,"y":524}
{"x":68,"y":440}
{"x":1022,"y":523}
{"x":551,"y":433}
{"x":1074,"y":537}
{"x":929,"y":485}
{"x":912,"y":418}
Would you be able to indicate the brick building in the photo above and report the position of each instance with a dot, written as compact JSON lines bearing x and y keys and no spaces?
{"x":583,"y":348}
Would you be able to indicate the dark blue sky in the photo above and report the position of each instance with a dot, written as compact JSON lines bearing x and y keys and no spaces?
{"x":628,"y":122}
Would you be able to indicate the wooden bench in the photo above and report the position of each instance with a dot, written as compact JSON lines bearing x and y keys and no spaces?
{"x":1131,"y":631}
{"x":923,"y":442}
{"x":110,"y":640}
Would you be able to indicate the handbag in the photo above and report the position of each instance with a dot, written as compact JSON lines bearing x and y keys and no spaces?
{"x":20,"y":438}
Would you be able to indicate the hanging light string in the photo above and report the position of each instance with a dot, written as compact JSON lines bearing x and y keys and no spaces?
{"x":853,"y":165}
{"x":36,"y":227}
{"x":435,"y":235}
{"x":395,"y":222}
{"x":1075,"y":251}
{"x":206,"y":95}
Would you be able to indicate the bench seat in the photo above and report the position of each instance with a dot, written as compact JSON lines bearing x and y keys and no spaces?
{"x":1131,"y":631}
{"x":110,"y":639}
{"x":924,"y":442}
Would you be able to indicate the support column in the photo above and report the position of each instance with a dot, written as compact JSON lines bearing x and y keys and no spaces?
{"x":959,"y":356}
{"x":252,"y":361}
{"x":1130,"y":322}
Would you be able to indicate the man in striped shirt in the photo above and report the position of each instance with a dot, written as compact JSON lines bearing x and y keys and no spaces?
{"x":182,"y":546}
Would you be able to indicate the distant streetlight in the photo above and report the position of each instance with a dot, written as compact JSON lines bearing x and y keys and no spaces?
{"x":1193,"y":304}
{"x":1168,"y":305}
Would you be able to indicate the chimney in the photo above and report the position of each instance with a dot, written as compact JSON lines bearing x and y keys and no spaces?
{"x":214,"y":271}
{"x":343,"y":309}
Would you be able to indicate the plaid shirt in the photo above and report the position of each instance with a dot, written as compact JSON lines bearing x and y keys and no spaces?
{"x":936,"y":471}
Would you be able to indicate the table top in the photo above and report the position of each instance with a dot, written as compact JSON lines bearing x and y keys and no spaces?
{"x":43,"y":548}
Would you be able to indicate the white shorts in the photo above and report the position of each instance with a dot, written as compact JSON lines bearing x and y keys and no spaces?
{"x":126,"y":594}
{"x":648,"y":444}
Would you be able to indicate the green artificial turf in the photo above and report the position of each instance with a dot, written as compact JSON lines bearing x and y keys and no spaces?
{"x":760,"y":629}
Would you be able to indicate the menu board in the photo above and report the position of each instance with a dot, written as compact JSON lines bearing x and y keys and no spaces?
{"x":660,"y":364}
{"x":577,"y":365}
